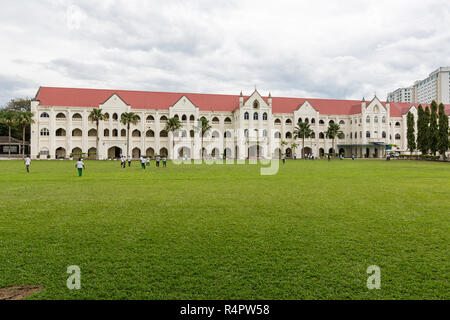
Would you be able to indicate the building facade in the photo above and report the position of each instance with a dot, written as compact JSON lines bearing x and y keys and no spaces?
{"x":435,"y":87}
{"x":242,"y":126}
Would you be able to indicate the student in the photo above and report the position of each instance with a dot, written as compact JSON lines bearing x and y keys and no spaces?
{"x":80,"y":166}
{"x":329,"y":157}
{"x":283,"y":157}
{"x":164,"y":161}
{"x":353,"y":156}
{"x":122,"y":162}
{"x":28,"y":163}
{"x":129,"y":161}
{"x":157,"y":161}
{"x":148,"y":161}
{"x":142,"y":162}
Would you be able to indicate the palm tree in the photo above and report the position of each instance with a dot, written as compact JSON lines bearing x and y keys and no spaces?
{"x":302,"y":130}
{"x":127,"y":118}
{"x":203,"y":127}
{"x":333,"y":131}
{"x":283,"y":144}
{"x":293,"y":147}
{"x":24,"y":118}
{"x":96,"y":116}
{"x":9,"y":119}
{"x":172,"y":125}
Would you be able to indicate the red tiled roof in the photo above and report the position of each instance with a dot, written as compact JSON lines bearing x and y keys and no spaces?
{"x":400,"y":108}
{"x":72,"y":97}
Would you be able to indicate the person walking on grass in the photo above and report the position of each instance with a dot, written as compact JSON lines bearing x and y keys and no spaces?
{"x":129,"y":161}
{"x":80,"y":166}
{"x":148,"y":161}
{"x":28,"y":163}
{"x":157,"y":159}
{"x":164,"y":161}
{"x":283,"y":157}
{"x":143,"y":161}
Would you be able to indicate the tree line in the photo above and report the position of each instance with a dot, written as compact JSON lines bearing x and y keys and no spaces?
{"x":432,"y":130}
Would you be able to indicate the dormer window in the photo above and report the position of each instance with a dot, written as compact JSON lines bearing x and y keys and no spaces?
{"x":256,"y":104}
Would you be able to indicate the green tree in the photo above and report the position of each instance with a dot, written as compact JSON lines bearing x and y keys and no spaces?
{"x":173,"y":125}
{"x":9,"y":119}
{"x":333,"y":131}
{"x":203,"y":127}
{"x":96,"y":116}
{"x":293,"y":147}
{"x":283,"y":144}
{"x":410,"y":133}
{"x":127,"y":119}
{"x":302,"y":130}
{"x":24,"y":119}
{"x":433,"y":129}
{"x":443,"y":134}
{"x":421,"y":130}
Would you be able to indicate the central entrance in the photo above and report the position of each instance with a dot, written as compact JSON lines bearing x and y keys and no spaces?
{"x":114,"y":152}
{"x":254,"y":151}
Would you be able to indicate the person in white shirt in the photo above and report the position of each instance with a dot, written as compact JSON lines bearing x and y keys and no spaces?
{"x":143,"y":161}
{"x":283,"y":157}
{"x":80,"y":166}
{"x":148,"y":161}
{"x":129,"y":161}
{"x":28,"y":163}
{"x":157,"y":159}
{"x":123,"y":162}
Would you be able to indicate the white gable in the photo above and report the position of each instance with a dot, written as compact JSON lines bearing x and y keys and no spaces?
{"x":114,"y":103}
{"x":256,"y":97}
{"x":183,"y":105}
{"x":375,"y":106}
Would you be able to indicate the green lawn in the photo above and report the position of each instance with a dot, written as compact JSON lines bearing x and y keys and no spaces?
{"x":226,"y":232}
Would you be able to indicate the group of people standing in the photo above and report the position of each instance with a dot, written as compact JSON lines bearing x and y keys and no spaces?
{"x":144,"y":161}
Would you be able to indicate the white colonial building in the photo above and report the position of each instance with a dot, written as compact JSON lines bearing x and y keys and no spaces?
{"x":242,"y":126}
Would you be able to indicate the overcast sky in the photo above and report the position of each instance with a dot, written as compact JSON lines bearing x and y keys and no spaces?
{"x":321,"y":49}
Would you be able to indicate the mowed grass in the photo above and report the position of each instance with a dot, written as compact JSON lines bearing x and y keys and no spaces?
{"x":227,"y":232}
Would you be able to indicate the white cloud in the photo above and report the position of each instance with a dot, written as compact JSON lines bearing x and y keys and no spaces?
{"x":330,"y":49}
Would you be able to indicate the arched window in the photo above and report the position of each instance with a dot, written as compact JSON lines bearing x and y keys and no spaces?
{"x":313,"y":135}
{"x":255,"y":116}
{"x":163,"y":119}
{"x":288,"y":121}
{"x":246,"y":132}
{"x":150,"y":134}
{"x":246,"y":116}
{"x":351,"y":135}
{"x":321,"y":122}
{"x":115,"y":133}
{"x":176,"y":116}
{"x":356,"y":135}
{"x":60,"y":132}
{"x":227,"y":134}
{"x":77,"y":133}
{"x":397,"y":124}
{"x":192,"y":133}
{"x":321,"y":135}
{"x":256,"y":104}
{"x":215,"y":135}
{"x":264,"y":116}
{"x":184,"y":134}
{"x":383,"y":134}
{"x":77,"y":116}
{"x":367,"y":134}
{"x":136,"y":133}
{"x":368,"y":119}
{"x":330,"y":122}
{"x":342,"y":122}
{"x":397,"y":136}
{"x":288,"y":135}
{"x":92,"y":133}
{"x":44,"y":115}
{"x":215,"y":120}
{"x":277,"y":122}
{"x":115,"y":117}
{"x":107,"y":116}
{"x":60,"y":116}
{"x":184,"y":118}
{"x":192,"y":118}
{"x":383,"y":119}
{"x":277,"y":135}
{"x":123,"y":133}
{"x":306,"y":120}
{"x":227,"y":120}
{"x":299,"y":120}
{"x":264,"y":133}
{"x":313,"y":120}
{"x":375,"y":119}
{"x":45,"y":132}
{"x":106,"y":133}
{"x":150,"y":118}
{"x":163,"y":134}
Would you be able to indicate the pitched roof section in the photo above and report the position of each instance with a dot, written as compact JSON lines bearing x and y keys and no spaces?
{"x":72,"y":97}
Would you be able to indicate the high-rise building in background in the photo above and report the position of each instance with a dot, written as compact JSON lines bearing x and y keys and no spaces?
{"x":435,"y":87}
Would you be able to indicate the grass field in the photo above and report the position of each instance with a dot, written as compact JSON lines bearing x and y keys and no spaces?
{"x":226,"y":232}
